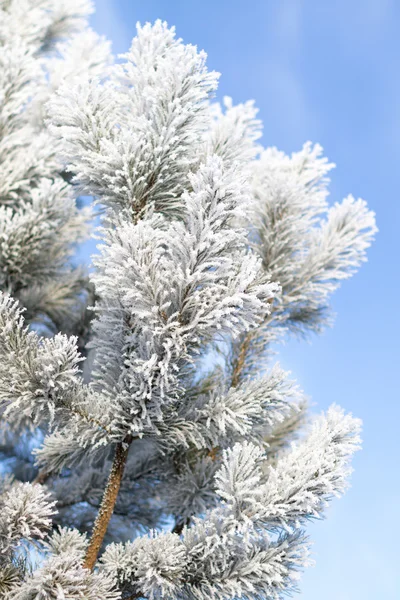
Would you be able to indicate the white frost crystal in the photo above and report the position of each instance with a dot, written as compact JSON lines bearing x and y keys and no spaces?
{"x":211,"y":248}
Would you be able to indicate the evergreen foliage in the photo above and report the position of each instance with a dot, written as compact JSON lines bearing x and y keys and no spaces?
{"x":211,"y":250}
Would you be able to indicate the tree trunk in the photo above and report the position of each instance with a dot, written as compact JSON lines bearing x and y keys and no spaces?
{"x":108,"y":502}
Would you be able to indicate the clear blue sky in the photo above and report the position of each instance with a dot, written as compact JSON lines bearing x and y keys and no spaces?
{"x":327,"y":72}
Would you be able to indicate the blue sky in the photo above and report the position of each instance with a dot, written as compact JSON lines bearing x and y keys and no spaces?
{"x":326,"y":72}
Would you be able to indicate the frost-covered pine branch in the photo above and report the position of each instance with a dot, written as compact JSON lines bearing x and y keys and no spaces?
{"x":211,"y":249}
{"x":26,"y":512}
{"x":42,"y":44}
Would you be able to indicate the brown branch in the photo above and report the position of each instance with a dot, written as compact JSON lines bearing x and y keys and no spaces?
{"x":108,"y":502}
{"x":236,"y":374}
{"x":121,"y":454}
{"x":42,"y":477}
{"x":244,"y":348}
{"x":240,"y":361}
{"x":86,"y":417}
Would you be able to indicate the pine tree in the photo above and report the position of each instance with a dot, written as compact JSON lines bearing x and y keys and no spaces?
{"x":42,"y":44}
{"x":197,"y":456}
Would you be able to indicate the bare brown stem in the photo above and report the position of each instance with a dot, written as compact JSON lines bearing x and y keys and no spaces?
{"x":108,"y":502}
{"x":42,"y":477}
{"x":240,"y":361}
